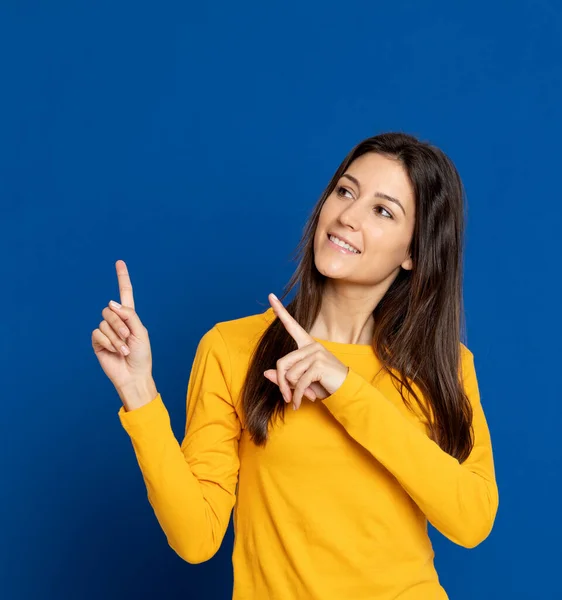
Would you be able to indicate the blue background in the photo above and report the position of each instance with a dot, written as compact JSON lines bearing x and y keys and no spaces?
{"x":192,"y":140}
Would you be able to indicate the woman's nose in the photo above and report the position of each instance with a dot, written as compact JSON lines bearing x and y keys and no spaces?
{"x":350,"y":217}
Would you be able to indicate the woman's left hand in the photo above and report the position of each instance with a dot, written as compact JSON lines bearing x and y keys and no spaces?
{"x":310,"y":366}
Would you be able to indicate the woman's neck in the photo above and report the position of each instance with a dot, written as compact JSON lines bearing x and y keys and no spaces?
{"x":344,"y":326}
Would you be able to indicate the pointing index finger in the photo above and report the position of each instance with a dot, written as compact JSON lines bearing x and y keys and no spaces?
{"x":298,"y":333}
{"x":125,"y":286}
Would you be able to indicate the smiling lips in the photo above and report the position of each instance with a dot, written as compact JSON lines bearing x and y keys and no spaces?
{"x":341,"y":248}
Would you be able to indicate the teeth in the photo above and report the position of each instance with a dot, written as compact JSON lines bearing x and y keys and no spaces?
{"x":343,"y":244}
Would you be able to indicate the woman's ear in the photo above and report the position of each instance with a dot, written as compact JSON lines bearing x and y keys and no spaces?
{"x":407,"y":264}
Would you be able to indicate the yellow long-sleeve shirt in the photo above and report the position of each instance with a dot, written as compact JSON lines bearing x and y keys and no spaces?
{"x":336,"y":505}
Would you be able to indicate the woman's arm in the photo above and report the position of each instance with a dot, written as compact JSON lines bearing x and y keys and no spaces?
{"x":192,"y":487}
{"x":460,"y":500}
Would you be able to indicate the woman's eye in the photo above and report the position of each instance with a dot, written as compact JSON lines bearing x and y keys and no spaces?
{"x":386,"y":211}
{"x":341,"y":189}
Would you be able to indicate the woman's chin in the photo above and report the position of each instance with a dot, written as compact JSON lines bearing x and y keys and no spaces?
{"x":332,"y":269}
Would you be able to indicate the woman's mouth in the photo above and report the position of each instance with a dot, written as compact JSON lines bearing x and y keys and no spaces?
{"x":339,"y":245}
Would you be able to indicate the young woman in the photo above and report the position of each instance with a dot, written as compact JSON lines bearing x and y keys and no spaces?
{"x":331,"y":500}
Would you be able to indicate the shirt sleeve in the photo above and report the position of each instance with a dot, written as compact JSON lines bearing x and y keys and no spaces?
{"x":192,"y":486}
{"x":460,"y":500}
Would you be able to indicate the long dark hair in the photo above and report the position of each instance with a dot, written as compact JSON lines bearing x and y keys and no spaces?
{"x":418,"y":322}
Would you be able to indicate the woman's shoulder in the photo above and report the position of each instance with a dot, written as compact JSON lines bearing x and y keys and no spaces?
{"x":466,"y":355}
{"x":242,"y":333}
{"x":233,"y":342}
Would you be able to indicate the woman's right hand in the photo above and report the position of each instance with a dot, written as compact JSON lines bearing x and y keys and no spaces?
{"x":131,"y":367}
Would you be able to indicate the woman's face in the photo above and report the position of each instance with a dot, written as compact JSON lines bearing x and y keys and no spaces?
{"x":378,"y":228}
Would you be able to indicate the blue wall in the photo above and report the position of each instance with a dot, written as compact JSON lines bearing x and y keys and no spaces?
{"x":191,"y":140}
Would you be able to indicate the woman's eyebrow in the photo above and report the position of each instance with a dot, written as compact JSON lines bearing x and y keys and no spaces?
{"x":377,"y":194}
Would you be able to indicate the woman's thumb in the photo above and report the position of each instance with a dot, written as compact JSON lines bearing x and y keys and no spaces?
{"x":131,"y":318}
